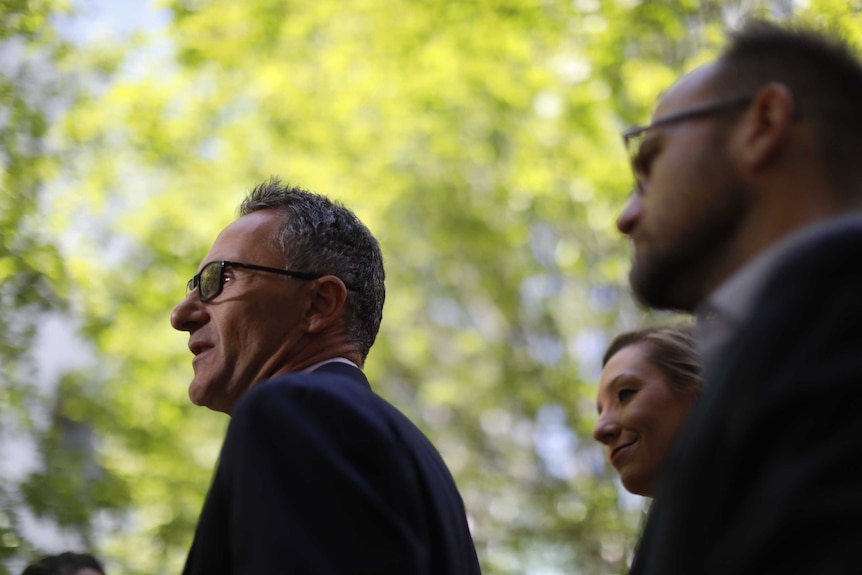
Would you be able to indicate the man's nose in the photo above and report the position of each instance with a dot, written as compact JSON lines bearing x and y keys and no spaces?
{"x":631,"y":213}
{"x":189,"y":313}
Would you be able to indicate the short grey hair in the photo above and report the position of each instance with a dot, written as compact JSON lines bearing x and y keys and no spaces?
{"x":320,"y":236}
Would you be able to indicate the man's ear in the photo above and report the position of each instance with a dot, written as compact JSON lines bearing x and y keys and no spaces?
{"x":766,"y":126}
{"x":328,"y":296}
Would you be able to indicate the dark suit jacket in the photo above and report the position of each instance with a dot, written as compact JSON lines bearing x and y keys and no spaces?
{"x":318,"y":475}
{"x":766,"y":474}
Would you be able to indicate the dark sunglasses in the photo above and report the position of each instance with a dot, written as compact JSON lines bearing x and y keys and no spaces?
{"x":210,"y":280}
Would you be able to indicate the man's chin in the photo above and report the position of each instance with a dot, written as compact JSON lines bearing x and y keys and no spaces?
{"x":654,"y":290}
{"x":197,"y":393}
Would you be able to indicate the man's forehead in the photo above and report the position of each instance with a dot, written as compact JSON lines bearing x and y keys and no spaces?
{"x":246,"y":237}
{"x":696,"y":87}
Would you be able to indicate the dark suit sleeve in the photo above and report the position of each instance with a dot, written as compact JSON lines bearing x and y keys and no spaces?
{"x":767,"y":473}
{"x":315,"y":482}
{"x":798,"y":497}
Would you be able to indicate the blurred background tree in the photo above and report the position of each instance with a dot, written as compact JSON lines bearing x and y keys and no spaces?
{"x":478,"y":139}
{"x":32,"y":90}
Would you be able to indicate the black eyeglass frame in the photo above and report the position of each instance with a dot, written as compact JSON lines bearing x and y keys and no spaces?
{"x":684,"y":116}
{"x":195,"y":282}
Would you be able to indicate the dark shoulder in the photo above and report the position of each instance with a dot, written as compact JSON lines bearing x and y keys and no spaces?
{"x":304,"y":388}
{"x":320,"y":399}
{"x":332,"y":414}
{"x":830,"y":249}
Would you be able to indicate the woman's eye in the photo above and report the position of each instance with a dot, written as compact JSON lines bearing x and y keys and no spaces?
{"x":624,"y":394}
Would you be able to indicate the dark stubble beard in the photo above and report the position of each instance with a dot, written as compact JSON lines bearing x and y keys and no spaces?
{"x":680,"y":276}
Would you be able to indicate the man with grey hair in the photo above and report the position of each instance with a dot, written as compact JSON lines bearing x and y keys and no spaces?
{"x":317,"y":473}
{"x":746,"y":212}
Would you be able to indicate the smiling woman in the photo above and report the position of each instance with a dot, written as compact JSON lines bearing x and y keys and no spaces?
{"x":650,"y":380}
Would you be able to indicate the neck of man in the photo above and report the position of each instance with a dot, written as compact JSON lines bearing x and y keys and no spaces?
{"x":774,"y":216}
{"x":306,"y":357}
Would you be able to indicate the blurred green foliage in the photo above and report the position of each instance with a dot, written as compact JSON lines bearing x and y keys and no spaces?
{"x":31,"y":267}
{"x":478,"y":140}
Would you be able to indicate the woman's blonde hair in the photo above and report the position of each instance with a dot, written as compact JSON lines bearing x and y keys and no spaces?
{"x":669,"y":348}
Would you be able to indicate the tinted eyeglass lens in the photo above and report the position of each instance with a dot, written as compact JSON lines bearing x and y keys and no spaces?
{"x":210,"y":282}
{"x":633,"y":143}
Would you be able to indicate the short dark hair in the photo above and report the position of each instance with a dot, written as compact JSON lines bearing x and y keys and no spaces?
{"x":323,"y":237}
{"x":66,"y":563}
{"x":670,"y":348}
{"x":825,"y":77}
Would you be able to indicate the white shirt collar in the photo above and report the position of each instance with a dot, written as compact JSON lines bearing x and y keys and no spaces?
{"x":331,"y":360}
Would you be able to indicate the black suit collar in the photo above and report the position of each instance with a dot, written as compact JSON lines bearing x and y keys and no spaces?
{"x":345,"y":369}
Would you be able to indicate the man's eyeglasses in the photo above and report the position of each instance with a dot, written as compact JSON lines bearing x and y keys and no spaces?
{"x":634,"y":137}
{"x":210,"y":280}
